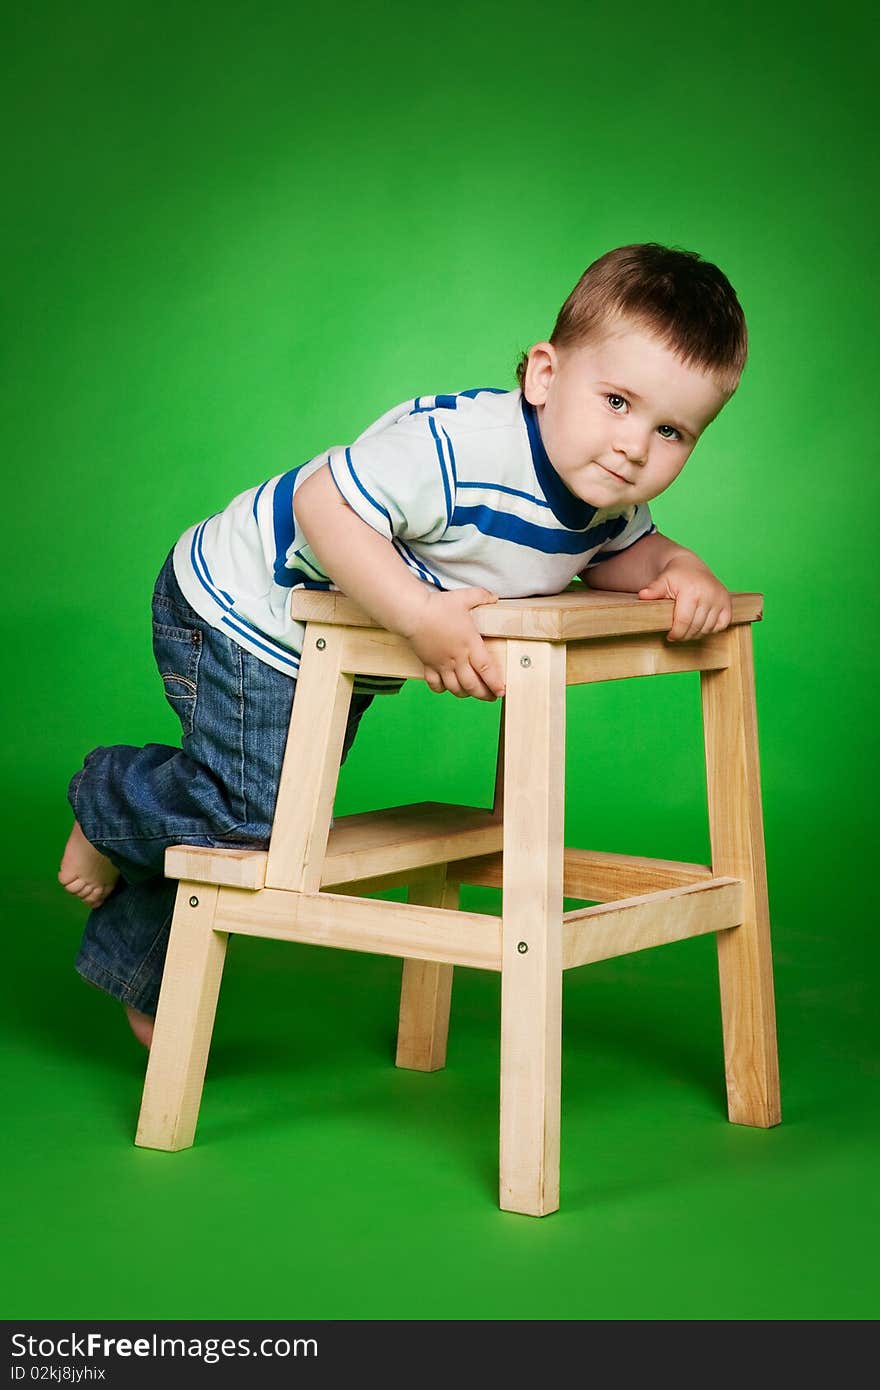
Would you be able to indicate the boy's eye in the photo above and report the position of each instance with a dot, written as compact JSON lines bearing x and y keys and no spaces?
{"x":612,"y":397}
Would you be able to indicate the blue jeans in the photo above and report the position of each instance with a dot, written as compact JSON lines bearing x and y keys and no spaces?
{"x":218,"y":789}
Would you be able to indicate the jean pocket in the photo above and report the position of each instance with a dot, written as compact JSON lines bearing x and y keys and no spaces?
{"x":177,"y":651}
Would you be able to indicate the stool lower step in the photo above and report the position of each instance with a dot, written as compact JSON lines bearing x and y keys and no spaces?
{"x":370,"y":844}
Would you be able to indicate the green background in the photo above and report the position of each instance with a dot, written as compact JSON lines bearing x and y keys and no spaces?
{"x":236,"y":234}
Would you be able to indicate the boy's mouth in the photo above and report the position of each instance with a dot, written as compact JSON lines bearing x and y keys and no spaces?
{"x":611,"y":473}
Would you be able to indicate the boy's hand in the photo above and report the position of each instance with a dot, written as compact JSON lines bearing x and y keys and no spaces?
{"x":444,"y":636}
{"x":702,"y":604}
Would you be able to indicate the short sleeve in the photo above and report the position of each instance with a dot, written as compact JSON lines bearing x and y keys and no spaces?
{"x":401,"y":479}
{"x":639,"y":524}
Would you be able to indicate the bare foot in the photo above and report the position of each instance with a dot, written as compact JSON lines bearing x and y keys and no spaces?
{"x":141,"y":1025}
{"x":84,"y":871}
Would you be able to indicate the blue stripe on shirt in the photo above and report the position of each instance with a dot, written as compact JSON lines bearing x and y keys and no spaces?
{"x":360,"y":487}
{"x":283,"y":526}
{"x":415,"y":563}
{"x":293,"y":578}
{"x":503,"y":526}
{"x":197,"y":558}
{"x":288,"y":576}
{"x":447,"y":402}
{"x":257,"y":498}
{"x":448,"y":494}
{"x":513,"y":492}
{"x":275,"y":650}
{"x":452,"y":466}
{"x":223,"y":600}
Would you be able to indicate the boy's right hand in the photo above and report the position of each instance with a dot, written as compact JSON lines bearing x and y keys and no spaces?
{"x":444,"y":636}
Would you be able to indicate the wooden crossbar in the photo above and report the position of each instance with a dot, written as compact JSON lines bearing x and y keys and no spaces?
{"x":474,"y":938}
{"x":594,"y":875}
{"x":379,"y":653}
{"x":362,"y":924}
{"x":619,"y":928}
{"x":619,"y":658}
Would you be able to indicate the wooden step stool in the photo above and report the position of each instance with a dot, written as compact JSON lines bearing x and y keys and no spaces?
{"x":311,"y":883}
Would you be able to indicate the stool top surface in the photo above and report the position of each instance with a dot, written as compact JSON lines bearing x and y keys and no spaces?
{"x":577,"y":612}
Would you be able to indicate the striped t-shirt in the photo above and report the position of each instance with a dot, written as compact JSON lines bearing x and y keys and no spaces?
{"x":461,"y":486}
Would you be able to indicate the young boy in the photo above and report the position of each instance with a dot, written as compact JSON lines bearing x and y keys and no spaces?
{"x":444,"y":503}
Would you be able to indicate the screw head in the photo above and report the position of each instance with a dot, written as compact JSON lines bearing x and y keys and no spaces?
{"x":522,"y":947}
{"x":320,"y":644}
{"x":193,"y":902}
{"x":525,"y":661}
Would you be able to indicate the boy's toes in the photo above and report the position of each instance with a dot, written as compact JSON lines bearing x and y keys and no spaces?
{"x":92,"y":894}
{"x":84,"y":870}
{"x":141,"y":1025}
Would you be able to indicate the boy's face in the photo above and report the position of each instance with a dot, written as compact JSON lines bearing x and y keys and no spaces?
{"x":620,"y":416}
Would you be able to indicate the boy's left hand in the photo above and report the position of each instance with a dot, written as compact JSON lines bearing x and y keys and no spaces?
{"x":702,"y":604}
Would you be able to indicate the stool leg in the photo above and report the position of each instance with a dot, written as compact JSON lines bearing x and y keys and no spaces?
{"x":312,"y":758}
{"x":745,"y":964}
{"x":184,"y":1022}
{"x":426,"y":989}
{"x":531,"y":973}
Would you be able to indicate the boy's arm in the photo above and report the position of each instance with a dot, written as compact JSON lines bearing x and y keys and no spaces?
{"x":656,"y":567}
{"x":366,"y":567}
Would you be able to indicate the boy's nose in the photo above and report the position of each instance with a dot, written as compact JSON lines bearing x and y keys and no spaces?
{"x":633,"y":446}
{"x":633,"y":452}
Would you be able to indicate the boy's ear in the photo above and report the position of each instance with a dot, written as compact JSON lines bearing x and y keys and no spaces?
{"x":539,"y":372}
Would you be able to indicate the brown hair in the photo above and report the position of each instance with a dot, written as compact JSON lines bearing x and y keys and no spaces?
{"x":686,"y":302}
